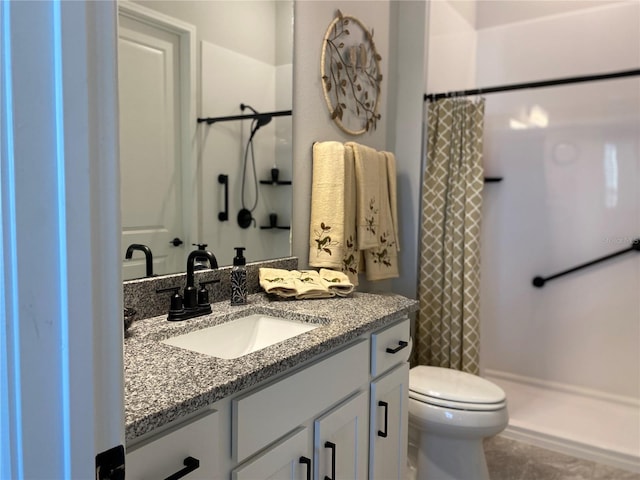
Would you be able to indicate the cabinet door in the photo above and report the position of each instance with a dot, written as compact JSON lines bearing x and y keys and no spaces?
{"x":340,"y":440}
{"x":389,"y":425}
{"x":289,"y":459}
{"x":167,"y":454}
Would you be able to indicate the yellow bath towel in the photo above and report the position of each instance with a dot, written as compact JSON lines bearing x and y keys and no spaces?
{"x":332,"y":231}
{"x":382,"y":262}
{"x":368,"y":175}
{"x":393,"y":193}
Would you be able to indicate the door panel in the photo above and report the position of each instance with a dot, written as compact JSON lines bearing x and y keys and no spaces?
{"x":341,"y":440}
{"x":150,"y":163}
{"x":280,"y":462}
{"x":389,"y":418}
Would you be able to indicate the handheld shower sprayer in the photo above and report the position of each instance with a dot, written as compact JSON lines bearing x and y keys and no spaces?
{"x":261,"y":118}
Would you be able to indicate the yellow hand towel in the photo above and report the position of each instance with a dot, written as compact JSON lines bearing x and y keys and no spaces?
{"x":310,"y":285}
{"x":368,"y":203}
{"x":382,"y":262}
{"x":332,"y":231}
{"x":336,"y":282}
{"x":277,"y":281}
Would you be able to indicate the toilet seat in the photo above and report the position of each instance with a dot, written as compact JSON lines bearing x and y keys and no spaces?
{"x":444,"y":387}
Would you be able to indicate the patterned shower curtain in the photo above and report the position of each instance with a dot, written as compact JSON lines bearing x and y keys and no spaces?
{"x":447,"y":328}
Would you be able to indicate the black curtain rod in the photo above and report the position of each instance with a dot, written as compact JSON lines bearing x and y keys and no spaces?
{"x":210,"y":120}
{"x":521,"y":86}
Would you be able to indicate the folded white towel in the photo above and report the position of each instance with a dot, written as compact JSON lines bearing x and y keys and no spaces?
{"x":368,"y":177}
{"x":332,"y":231}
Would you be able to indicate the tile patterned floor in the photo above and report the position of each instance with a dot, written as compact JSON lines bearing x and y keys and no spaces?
{"x":511,"y":460}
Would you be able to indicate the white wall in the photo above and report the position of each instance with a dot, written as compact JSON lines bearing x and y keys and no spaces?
{"x":569,"y":195}
{"x":452,"y":48}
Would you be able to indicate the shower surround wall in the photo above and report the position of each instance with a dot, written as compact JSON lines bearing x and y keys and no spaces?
{"x":568,"y":354}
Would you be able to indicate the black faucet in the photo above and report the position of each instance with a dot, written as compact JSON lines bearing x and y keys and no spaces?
{"x":195,"y":302}
{"x":147,"y":253}
{"x":190,"y":292}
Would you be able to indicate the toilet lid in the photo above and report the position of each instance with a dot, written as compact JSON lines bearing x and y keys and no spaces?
{"x":443,"y":385}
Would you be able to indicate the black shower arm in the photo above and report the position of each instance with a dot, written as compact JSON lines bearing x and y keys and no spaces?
{"x":540,"y":281}
{"x":254,"y":116}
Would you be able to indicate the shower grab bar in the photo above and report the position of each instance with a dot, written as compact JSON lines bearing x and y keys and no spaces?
{"x":540,"y":281}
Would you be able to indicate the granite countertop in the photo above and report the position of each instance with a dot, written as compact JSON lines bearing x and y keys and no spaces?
{"x":164,"y":383}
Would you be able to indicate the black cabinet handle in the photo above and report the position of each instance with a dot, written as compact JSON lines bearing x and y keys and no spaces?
{"x":400,"y":346}
{"x":190,"y":464}
{"x":224,"y":180}
{"x":176,"y":242}
{"x":381,"y":433}
{"x":332,"y":446}
{"x":307,"y":462}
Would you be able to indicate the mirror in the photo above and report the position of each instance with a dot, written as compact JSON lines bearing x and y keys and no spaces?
{"x":179,"y":60}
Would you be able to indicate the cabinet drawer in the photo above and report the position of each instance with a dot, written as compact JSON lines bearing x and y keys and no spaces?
{"x":387,"y":349}
{"x":259,"y":418}
{"x":164,"y":455}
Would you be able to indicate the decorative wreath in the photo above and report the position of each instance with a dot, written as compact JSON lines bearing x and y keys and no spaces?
{"x":350,"y":69}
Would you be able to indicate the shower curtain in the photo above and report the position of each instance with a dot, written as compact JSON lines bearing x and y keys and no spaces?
{"x":447,"y":327}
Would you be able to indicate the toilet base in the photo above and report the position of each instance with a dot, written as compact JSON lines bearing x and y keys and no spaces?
{"x":446,"y":458}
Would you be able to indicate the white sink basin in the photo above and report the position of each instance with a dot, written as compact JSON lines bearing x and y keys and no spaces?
{"x":241,"y":336}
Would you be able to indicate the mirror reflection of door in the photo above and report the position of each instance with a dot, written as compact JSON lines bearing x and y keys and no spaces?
{"x":150,"y":161}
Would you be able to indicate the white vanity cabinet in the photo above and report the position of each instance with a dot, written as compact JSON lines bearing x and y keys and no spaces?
{"x":189,"y":451}
{"x":319,"y":422}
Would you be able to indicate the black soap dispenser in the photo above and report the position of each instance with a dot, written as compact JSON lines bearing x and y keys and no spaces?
{"x":239,"y":278}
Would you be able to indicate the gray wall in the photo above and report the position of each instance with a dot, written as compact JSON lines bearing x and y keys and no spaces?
{"x":399,"y":33}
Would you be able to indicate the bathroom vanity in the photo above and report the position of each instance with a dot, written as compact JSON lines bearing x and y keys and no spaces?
{"x":328,"y":403}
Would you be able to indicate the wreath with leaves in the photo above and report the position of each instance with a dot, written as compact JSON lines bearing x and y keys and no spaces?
{"x":350,"y":70}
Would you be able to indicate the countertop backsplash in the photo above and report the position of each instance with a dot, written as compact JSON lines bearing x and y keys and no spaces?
{"x":141,"y":294}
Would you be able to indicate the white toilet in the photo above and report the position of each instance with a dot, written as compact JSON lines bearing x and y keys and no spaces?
{"x":450,"y":412}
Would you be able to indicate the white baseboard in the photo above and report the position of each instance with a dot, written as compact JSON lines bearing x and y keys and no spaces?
{"x":531,"y":432}
{"x":574,"y":449}
{"x":562,"y":387}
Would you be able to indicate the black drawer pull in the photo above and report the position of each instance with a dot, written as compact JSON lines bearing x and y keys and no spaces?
{"x":401,"y":345}
{"x":381,"y":433}
{"x":307,"y":462}
{"x":190,"y":464}
{"x":332,"y":446}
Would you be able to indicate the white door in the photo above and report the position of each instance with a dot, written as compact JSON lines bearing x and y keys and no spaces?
{"x":388,"y":436}
{"x":61,"y":367}
{"x":340,"y":442}
{"x":150,"y":145}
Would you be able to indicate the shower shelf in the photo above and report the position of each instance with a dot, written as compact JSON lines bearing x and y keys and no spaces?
{"x":279,"y":182}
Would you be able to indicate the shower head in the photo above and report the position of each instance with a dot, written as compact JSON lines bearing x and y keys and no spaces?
{"x":244,"y":105}
{"x":261,"y":118}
